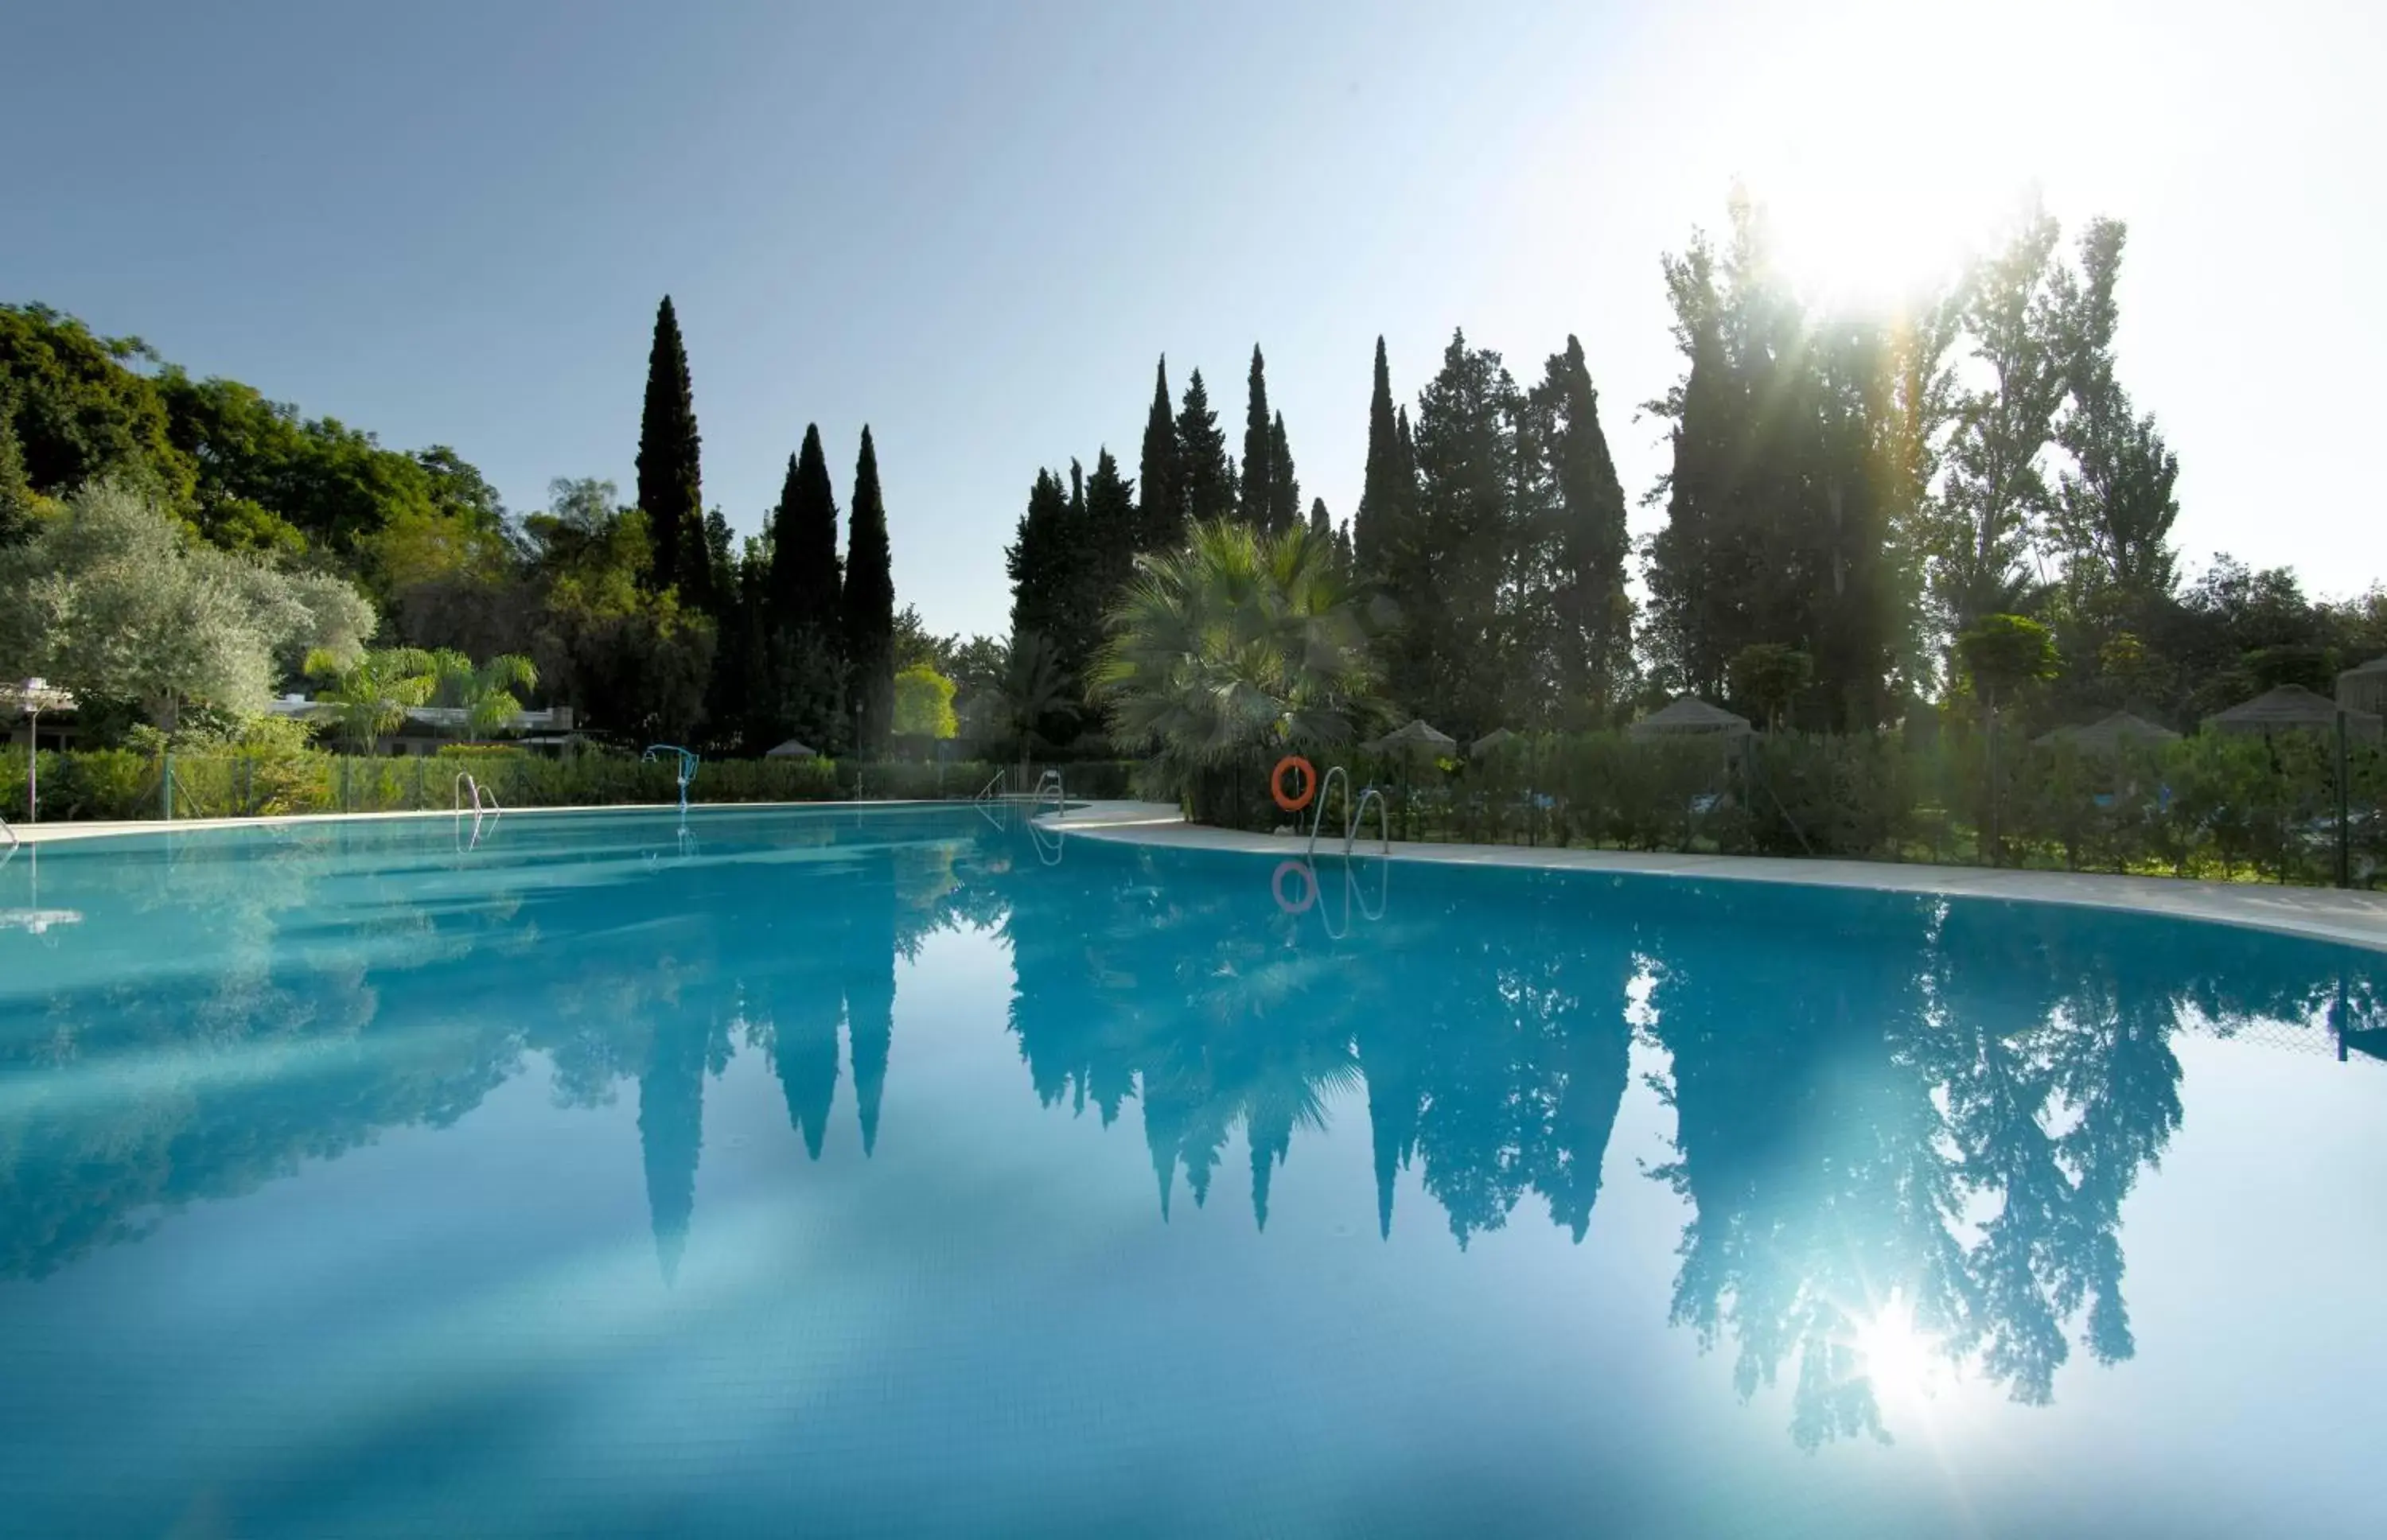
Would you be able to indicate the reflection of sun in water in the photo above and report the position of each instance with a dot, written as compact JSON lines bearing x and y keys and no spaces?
{"x":1905,"y":1365}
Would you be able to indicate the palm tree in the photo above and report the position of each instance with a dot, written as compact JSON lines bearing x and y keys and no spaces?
{"x":372,"y":694}
{"x":486,"y":692}
{"x":1033,"y":687}
{"x":1241,"y":640}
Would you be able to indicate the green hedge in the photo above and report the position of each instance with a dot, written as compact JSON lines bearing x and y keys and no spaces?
{"x":121,"y":783}
{"x":2208,"y":806}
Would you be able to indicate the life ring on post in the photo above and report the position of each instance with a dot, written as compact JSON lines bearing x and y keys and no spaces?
{"x":1294,"y":802}
{"x":1307,"y":888}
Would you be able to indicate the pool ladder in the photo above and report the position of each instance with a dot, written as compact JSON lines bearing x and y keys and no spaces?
{"x":1051,"y":781}
{"x":1358,"y":814}
{"x":482,"y":804}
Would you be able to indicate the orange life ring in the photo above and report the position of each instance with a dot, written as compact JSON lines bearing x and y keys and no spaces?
{"x":1293,"y":803}
{"x":1309,"y":887}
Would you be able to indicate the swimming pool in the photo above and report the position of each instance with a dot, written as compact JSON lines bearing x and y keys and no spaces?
{"x":897,"y":1171}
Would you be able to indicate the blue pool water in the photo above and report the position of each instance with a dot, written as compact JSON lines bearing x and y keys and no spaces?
{"x":895,"y":1173}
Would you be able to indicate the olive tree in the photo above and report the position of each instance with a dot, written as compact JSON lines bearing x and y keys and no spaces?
{"x":115,"y":598}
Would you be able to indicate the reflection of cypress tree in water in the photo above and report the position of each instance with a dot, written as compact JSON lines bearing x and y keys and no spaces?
{"x":870,"y":940}
{"x":1393,"y":1102}
{"x":671,"y":1133}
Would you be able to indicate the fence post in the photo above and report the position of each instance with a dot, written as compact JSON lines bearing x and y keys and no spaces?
{"x":2345,"y":850}
{"x":166,"y":787}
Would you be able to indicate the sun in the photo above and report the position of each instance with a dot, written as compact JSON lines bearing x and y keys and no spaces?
{"x":1904,"y":1364}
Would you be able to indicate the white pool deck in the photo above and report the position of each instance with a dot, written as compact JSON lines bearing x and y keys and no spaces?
{"x":2356,"y":918}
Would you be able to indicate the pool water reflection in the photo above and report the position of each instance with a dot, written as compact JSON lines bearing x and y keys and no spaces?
{"x":889,"y":1171}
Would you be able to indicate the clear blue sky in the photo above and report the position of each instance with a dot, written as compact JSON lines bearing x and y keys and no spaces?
{"x":974,"y":226}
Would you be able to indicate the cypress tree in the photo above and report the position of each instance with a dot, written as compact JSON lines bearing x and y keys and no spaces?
{"x":1106,"y":545}
{"x":1451,"y":661}
{"x":670,"y":486}
{"x":806,"y":578}
{"x":1204,"y":472}
{"x":1037,"y":557}
{"x":1319,"y":524}
{"x":1387,"y":491}
{"x":1593,"y":615}
{"x":1160,"y":519}
{"x":869,"y":609}
{"x":1259,"y":475}
{"x":1284,"y":487}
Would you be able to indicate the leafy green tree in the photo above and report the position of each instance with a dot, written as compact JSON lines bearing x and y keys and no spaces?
{"x":114,"y":600}
{"x":620,"y":654}
{"x":19,"y":506}
{"x":1769,"y":677}
{"x":371,"y":694}
{"x":81,"y":412}
{"x":2001,"y":654}
{"x":1996,"y":497}
{"x":1160,"y":512}
{"x":1204,"y":471}
{"x":2114,"y":507}
{"x":868,"y":608}
{"x":1241,"y":640}
{"x":670,"y":480}
{"x":924,"y":703}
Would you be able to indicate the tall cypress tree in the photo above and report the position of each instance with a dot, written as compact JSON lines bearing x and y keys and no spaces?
{"x":1389,"y":486}
{"x":1319,"y":524}
{"x":1284,"y":487}
{"x":1161,"y":518}
{"x":670,"y":486}
{"x":806,"y":577}
{"x":1208,"y":477}
{"x":1451,"y":661}
{"x":1106,"y":559}
{"x":1594,"y":616}
{"x":869,"y":609}
{"x":1259,"y":477}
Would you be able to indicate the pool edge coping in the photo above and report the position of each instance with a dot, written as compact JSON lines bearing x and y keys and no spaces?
{"x":2352,"y":917}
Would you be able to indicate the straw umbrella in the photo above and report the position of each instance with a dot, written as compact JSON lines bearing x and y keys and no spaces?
{"x":1407,"y":744}
{"x":1691,"y":716}
{"x":2364,"y":689}
{"x":791,"y":749}
{"x":2108,"y":734}
{"x":2293,"y":708}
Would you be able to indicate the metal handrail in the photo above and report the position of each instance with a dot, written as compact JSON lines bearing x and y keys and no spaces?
{"x":689,"y":761}
{"x":15,"y":838}
{"x":463,"y":783}
{"x":1319,"y":815}
{"x":991,"y":789}
{"x":1060,"y":797}
{"x":1359,"y":815}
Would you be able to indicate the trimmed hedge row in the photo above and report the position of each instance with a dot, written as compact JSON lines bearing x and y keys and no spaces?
{"x":2213,"y":805}
{"x":124,"y":783}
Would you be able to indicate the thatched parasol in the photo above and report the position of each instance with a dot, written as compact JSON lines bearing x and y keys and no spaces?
{"x":1492,"y":742}
{"x":2364,"y":689}
{"x":2108,"y":734}
{"x":790,"y":750}
{"x":1415,"y":739}
{"x":2292,"y":708}
{"x":1688,"y":716}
